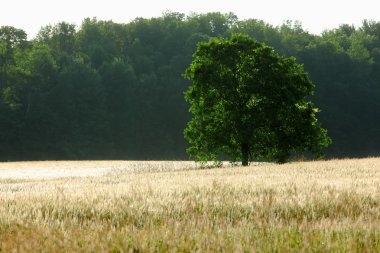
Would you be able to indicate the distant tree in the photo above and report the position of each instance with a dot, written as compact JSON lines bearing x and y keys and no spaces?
{"x":60,"y":37}
{"x":10,"y":39}
{"x":119,"y":81}
{"x":249,"y":103}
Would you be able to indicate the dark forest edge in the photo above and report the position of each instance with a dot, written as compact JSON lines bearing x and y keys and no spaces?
{"x":115,"y":91}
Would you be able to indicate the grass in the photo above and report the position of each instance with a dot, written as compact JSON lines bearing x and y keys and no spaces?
{"x":323,"y":206}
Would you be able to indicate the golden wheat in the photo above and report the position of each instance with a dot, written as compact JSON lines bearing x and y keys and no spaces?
{"x":317,"y":206}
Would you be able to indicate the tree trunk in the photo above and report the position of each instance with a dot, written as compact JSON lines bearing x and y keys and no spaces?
{"x":244,"y":153}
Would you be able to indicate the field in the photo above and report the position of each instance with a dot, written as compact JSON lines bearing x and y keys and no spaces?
{"x":119,"y":206}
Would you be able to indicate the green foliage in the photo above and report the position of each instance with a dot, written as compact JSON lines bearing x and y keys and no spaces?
{"x":106,"y":90}
{"x":249,"y":101}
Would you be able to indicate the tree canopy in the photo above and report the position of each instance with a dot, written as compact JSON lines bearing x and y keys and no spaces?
{"x":105,"y":90}
{"x":249,"y":103}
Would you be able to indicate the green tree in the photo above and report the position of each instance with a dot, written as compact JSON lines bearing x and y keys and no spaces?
{"x":119,"y":83}
{"x":10,"y":40}
{"x":60,"y":37}
{"x":249,"y":103}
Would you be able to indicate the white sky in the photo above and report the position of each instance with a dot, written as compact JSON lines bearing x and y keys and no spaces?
{"x":315,"y":15}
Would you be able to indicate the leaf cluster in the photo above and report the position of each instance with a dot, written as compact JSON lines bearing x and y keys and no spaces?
{"x":242,"y":92}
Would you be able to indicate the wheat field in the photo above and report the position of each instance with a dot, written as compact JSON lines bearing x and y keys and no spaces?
{"x":120,"y":206}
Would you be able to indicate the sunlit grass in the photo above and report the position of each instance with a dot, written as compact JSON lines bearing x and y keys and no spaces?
{"x":310,"y":206}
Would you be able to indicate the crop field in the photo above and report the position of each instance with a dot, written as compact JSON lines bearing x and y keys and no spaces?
{"x":125,"y":206}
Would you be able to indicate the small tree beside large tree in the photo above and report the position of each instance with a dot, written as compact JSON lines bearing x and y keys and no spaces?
{"x":249,"y":103}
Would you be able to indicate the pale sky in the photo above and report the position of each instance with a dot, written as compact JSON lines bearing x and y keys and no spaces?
{"x":316,"y":15}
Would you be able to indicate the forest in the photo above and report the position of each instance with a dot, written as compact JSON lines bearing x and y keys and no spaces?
{"x":106,"y":90}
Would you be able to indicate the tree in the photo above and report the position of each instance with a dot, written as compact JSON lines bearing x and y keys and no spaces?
{"x":249,"y":103}
{"x":10,"y":39}
{"x":119,"y":82}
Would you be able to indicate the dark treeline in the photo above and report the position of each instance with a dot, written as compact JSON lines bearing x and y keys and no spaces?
{"x":115,"y":91}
